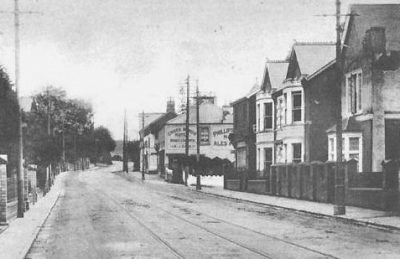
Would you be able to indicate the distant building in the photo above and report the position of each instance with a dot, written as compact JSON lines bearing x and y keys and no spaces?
{"x":215,"y":126}
{"x":153,"y":123}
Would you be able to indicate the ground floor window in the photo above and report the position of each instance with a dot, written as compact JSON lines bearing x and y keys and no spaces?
{"x":267,"y":158}
{"x":351,"y":148}
{"x":281,"y":153}
{"x":296,"y":147}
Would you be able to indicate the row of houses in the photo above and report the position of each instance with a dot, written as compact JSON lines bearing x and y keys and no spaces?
{"x":290,"y":117}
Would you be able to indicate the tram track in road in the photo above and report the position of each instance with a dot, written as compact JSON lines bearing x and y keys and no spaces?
{"x":159,"y":239}
{"x":255,"y":231}
{"x":166,"y":243}
{"x":162,"y":194}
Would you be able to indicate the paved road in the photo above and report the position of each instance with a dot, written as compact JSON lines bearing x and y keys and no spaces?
{"x":106,"y":214}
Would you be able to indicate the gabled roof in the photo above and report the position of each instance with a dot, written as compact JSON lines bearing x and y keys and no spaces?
{"x":157,"y":124}
{"x":256,"y":87}
{"x":375,"y":15}
{"x":254,"y":90}
{"x":314,"y":55}
{"x":209,"y":113}
{"x":275,"y":73}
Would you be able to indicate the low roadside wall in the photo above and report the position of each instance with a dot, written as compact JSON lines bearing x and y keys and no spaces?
{"x":316,"y":182}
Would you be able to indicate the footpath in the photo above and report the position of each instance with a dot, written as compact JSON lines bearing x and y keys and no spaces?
{"x":18,"y":237}
{"x":356,"y":215}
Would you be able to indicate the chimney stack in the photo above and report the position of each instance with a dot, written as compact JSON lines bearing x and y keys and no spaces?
{"x":375,"y":41}
{"x":171,"y":105}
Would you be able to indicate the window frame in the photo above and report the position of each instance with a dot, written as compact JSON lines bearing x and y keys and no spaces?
{"x":271,"y":161}
{"x":354,"y":82}
{"x":297,"y":159}
{"x":297,"y":109}
{"x":346,"y":148}
{"x":268,"y":117}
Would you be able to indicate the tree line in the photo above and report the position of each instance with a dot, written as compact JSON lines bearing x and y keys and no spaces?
{"x":56,"y":128}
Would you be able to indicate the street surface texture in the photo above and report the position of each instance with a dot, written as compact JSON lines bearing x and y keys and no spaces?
{"x":109,"y":214}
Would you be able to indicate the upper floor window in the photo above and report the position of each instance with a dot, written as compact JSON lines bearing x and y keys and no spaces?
{"x":258,"y":117}
{"x":353,"y":85}
{"x":296,"y":106}
{"x":268,"y":116}
{"x":281,"y":111}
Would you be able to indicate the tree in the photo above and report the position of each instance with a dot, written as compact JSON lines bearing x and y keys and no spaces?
{"x":56,"y":126}
{"x":8,"y":120}
{"x":104,"y":144}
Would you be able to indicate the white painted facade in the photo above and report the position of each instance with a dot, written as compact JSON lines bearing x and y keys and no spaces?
{"x":290,"y":130}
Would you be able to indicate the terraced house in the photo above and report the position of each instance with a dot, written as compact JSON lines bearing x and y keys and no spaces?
{"x":300,"y":105}
{"x":371,"y":86}
{"x":275,"y":72}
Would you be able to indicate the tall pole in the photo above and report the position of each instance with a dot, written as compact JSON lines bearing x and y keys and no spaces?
{"x":142,"y":135}
{"x":63,"y":143}
{"x":198,"y":183}
{"x":339,"y":207}
{"x":20,"y":169}
{"x":49,"y":132}
{"x":124,"y":157}
{"x":187,"y":131}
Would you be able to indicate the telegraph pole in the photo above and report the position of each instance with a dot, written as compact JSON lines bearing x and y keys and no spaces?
{"x":198,"y":183}
{"x":20,"y":168}
{"x":187,"y":130}
{"x":124,"y":155}
{"x":339,"y":207}
{"x":142,"y":135}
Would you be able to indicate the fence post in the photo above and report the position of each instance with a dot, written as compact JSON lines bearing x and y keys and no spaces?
{"x":390,"y":184}
{"x":272,"y":180}
{"x":289,"y":179}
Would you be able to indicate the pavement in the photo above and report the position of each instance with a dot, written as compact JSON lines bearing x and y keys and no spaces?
{"x":17,"y":238}
{"x":362,"y":216}
{"x":357,"y":215}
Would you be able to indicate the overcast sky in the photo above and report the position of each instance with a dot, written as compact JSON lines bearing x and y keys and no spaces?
{"x":134,"y":54}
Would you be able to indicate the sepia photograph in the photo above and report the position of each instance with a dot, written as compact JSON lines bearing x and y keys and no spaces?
{"x":135,"y":129}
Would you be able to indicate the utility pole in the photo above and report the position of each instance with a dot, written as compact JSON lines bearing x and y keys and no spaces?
{"x":187,"y":130}
{"x":142,"y":136}
{"x":339,"y":207}
{"x":49,"y":174}
{"x":124,"y":155}
{"x":198,"y":183}
{"x":20,"y":168}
